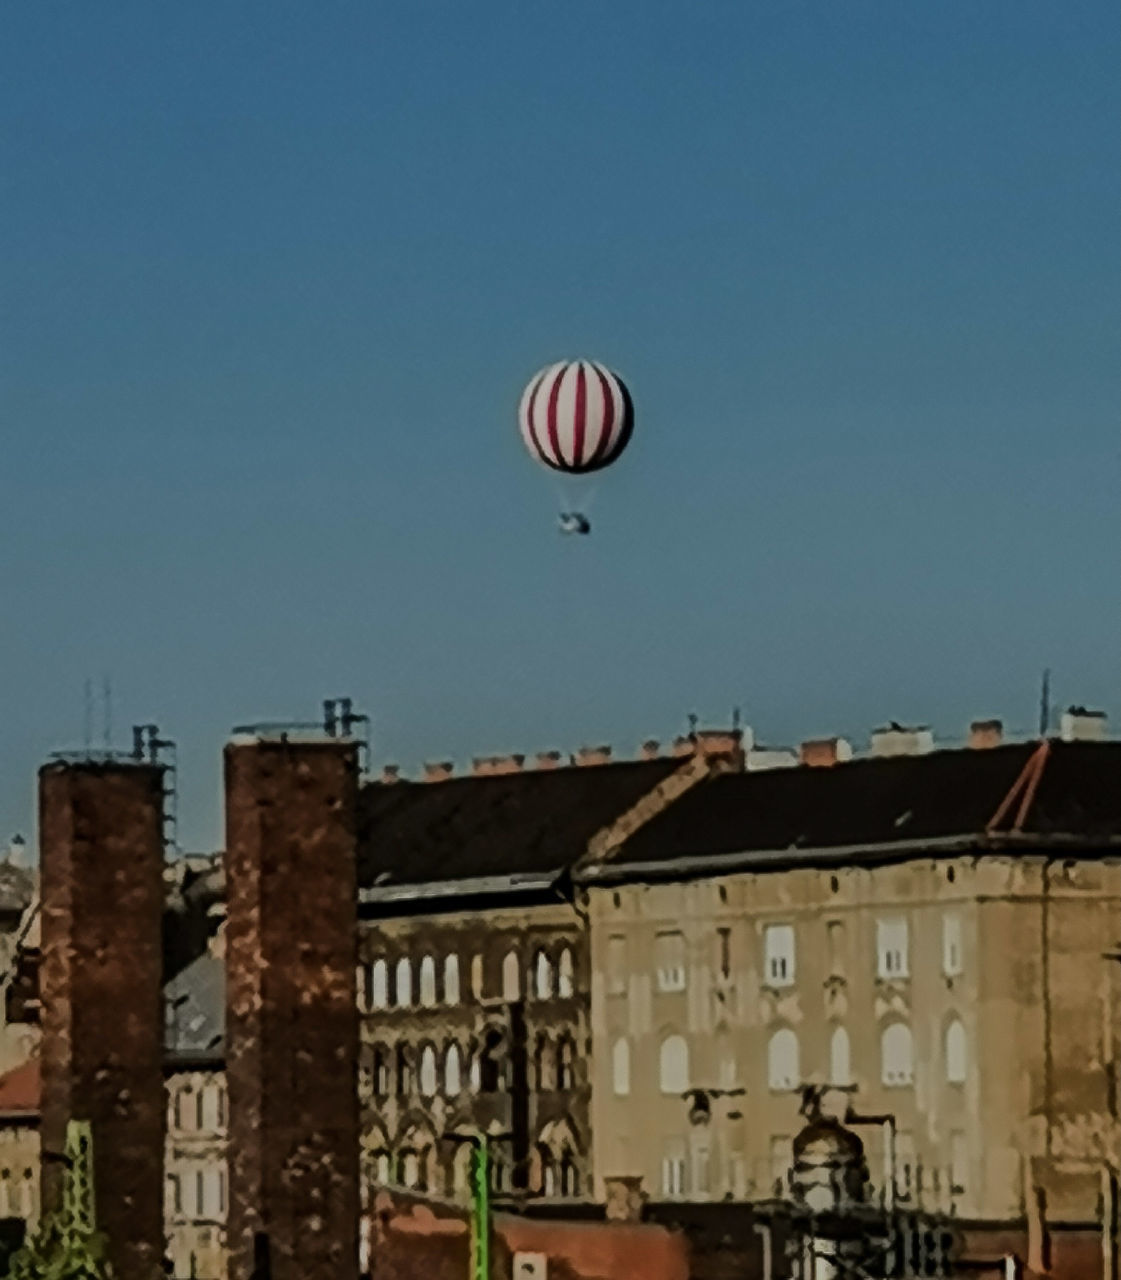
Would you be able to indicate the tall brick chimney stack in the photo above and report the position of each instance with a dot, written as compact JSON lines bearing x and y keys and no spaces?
{"x":291,"y":1012}
{"x":101,"y":887}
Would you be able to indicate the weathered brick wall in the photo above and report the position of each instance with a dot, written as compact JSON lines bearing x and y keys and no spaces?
{"x":292,"y":1024}
{"x":101,"y":841}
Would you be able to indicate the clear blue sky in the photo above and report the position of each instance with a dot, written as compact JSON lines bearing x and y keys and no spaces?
{"x":273,"y":276}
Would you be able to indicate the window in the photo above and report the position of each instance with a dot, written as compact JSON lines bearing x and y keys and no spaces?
{"x":410,"y":1168}
{"x":565,"y":983}
{"x":669,"y":958}
{"x":783,"y":1069}
{"x":543,"y":1065}
{"x":959,"y":1163}
{"x":836,"y":940}
{"x":211,"y":1107}
{"x":428,"y":982}
{"x":404,"y":983}
{"x":182,"y":1109}
{"x":199,"y":1110}
{"x":782,"y":1160}
{"x":200,"y":1194}
{"x":616,"y":965}
{"x":891,"y":949}
{"x":778,"y":945}
{"x":543,"y":977}
{"x":381,"y":1071}
{"x":361,"y":990}
{"x":840,"y":1067}
{"x":477,"y":977}
{"x":957,"y":1058}
{"x":673,"y":1065}
{"x":724,"y":953}
{"x":404,"y":1070}
{"x":173,"y":1194}
{"x":223,"y":1106}
{"x":381,"y":1168}
{"x":673,"y":1169}
{"x":621,"y":1068}
{"x":453,"y":1081}
{"x":427,"y":1071}
{"x":570,"y":1180}
{"x":379,"y":985}
{"x":906,"y":1169}
{"x":511,"y":979}
{"x":566,"y":1058}
{"x":728,"y":1070}
{"x":212,"y":1198}
{"x":897,"y":1054}
{"x":451,"y":980}
{"x":700,"y":1169}
{"x":951,"y":945}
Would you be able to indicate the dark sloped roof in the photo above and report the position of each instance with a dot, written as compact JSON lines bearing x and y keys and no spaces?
{"x":879,"y":802}
{"x":534,"y":822}
{"x":195,"y":1011}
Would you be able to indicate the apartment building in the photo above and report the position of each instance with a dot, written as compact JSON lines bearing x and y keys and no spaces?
{"x":926,"y":931}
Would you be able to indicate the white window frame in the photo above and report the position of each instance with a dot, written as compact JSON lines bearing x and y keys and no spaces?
{"x":779,"y":955}
{"x":893,"y":946}
{"x":671,"y":976}
{"x":379,"y":984}
{"x":451,"y":979}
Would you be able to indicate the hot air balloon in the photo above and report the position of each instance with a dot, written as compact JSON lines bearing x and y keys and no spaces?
{"x":576,"y":418}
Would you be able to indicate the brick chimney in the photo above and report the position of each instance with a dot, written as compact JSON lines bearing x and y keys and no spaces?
{"x":985,"y":733}
{"x":651,"y":749}
{"x":823,"y":753}
{"x":592,"y":755}
{"x":291,"y":1008}
{"x":483,"y":766}
{"x":548,"y":759}
{"x":439,"y":771}
{"x":101,"y":886}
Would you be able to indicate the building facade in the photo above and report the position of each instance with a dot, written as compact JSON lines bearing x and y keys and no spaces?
{"x":952,"y":981}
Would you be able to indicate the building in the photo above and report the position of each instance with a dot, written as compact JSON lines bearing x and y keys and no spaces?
{"x":926,"y":930}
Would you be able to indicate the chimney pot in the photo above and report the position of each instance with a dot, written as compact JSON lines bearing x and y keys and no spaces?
{"x":548,"y":759}
{"x":650,"y":749}
{"x":439,"y":771}
{"x":593,"y":755}
{"x":823,"y":753}
{"x":985,"y":733}
{"x":391,"y":773}
{"x":486,"y":766}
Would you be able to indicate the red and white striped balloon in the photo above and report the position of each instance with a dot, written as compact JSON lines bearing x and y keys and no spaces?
{"x":576,"y":416}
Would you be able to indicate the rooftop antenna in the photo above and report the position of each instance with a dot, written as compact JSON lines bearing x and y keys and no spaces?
{"x":692,"y":725}
{"x":735,"y":719}
{"x":87,"y":726}
{"x":1045,"y":703}
{"x":107,"y":708}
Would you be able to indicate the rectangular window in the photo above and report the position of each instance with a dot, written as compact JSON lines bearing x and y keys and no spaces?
{"x":951,"y":945}
{"x":724,"y":953}
{"x":778,"y":947}
{"x":361,"y":993}
{"x":892,"y":949}
{"x":669,"y":951}
{"x":905,"y":1166}
{"x":174,"y":1193}
{"x":700,"y":1170}
{"x":836,"y":949}
{"x":673,"y":1169}
{"x":616,"y":965}
{"x":782,"y":1160}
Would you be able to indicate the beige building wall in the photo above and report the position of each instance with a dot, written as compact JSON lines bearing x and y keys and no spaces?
{"x":196,"y":1191}
{"x":974,"y":955}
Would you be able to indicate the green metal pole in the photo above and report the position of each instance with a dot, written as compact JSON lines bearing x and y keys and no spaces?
{"x":480,"y":1203}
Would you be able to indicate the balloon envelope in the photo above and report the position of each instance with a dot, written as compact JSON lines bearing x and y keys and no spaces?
{"x":576,"y":416}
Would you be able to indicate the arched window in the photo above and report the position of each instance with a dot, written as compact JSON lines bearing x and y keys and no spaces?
{"x":477,"y":977}
{"x":673,"y":1065}
{"x":566,"y":1064}
{"x":840,"y":1066}
{"x":427,"y":1071}
{"x":428,"y":982}
{"x":543,"y":1065}
{"x":361,"y":988}
{"x":451,"y":980}
{"x":404,"y":1070}
{"x":957,"y":1058}
{"x":410,"y":1168}
{"x":404,"y":983}
{"x":461,"y":1169}
{"x":548,"y":1173}
{"x":453,"y":1080}
{"x":379,"y":985}
{"x":381,"y":1167}
{"x":783,"y":1068}
{"x":565,"y":983}
{"x":570,"y":1182}
{"x":621,"y":1068}
{"x":381,"y":1071}
{"x":543,"y":977}
{"x":897,"y":1054}
{"x":511,"y":978}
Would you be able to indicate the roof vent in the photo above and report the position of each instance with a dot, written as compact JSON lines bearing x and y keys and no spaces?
{"x":439,"y":771}
{"x":821,"y":753}
{"x":759,"y":758}
{"x":895,"y":739}
{"x":1079,"y":724}
{"x":484,"y":766}
{"x":986,"y":733}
